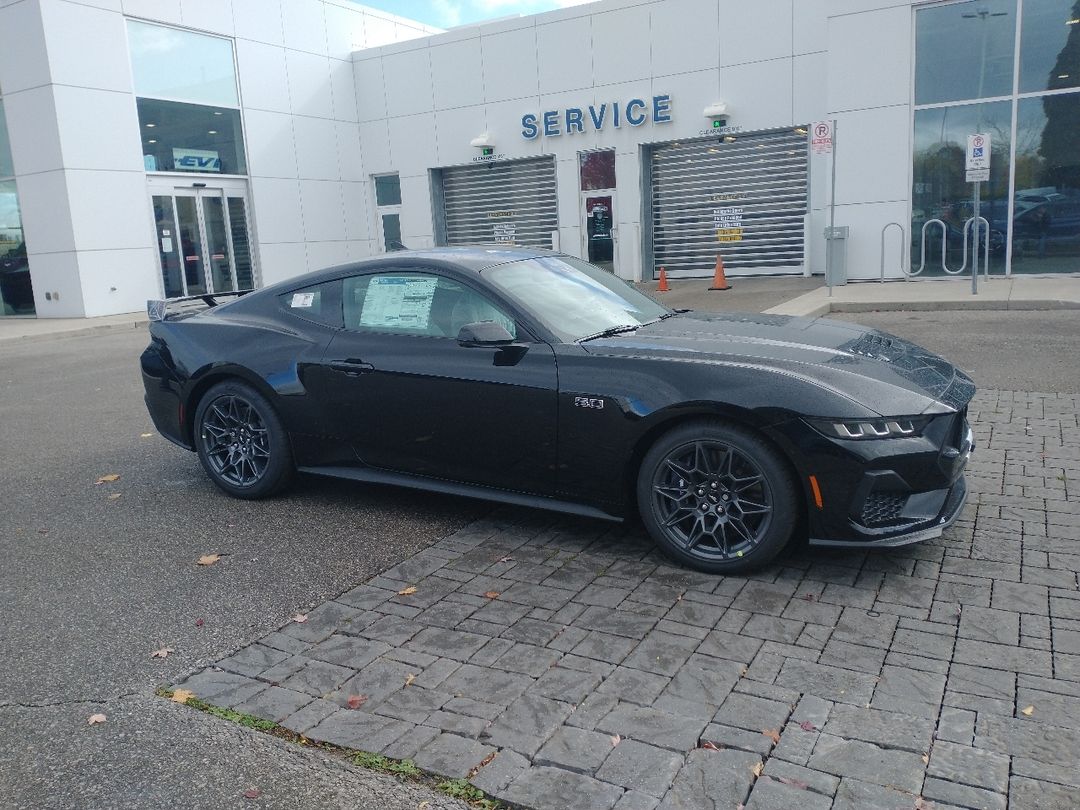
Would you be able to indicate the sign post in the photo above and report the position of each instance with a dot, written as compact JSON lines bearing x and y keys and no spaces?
{"x":977,"y":170}
{"x":823,"y":142}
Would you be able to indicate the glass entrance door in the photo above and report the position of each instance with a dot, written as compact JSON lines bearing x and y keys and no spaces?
{"x":599,"y":213}
{"x":203,"y":238}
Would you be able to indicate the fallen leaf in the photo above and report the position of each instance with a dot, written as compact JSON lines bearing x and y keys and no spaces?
{"x":926,"y":759}
{"x":491,"y":594}
{"x":615,"y":740}
{"x":182,"y":695}
{"x":208,"y":559}
{"x":108,"y":479}
{"x":407,"y":591}
{"x":507,"y":559}
{"x":424,"y":805}
{"x":710,"y":746}
{"x":162,"y":653}
{"x":485,"y":760}
{"x":809,"y":597}
{"x":758,"y":769}
{"x":1028,"y":711}
{"x":806,"y":725}
{"x":94,"y":719}
{"x":795,"y":783}
{"x":743,"y":671}
{"x":198,"y":622}
{"x":921,"y":804}
{"x":772,"y":734}
{"x":145,"y":435}
{"x":410,"y":679}
{"x":300,"y":618}
{"x":252,"y":793}
{"x":114,"y":496}
{"x":356,"y":701}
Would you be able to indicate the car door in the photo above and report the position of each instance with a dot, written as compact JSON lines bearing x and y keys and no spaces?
{"x":410,"y":398}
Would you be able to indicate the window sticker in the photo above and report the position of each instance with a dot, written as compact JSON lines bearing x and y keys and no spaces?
{"x":302,"y":300}
{"x":401,"y":301}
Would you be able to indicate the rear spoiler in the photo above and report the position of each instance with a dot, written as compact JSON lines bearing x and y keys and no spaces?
{"x":159,"y":310}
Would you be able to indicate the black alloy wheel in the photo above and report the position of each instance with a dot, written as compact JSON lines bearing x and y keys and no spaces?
{"x":717,"y":497}
{"x":241,"y":442}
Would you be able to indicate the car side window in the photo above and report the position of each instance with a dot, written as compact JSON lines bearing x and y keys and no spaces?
{"x":416,"y":304}
{"x":319,"y":303}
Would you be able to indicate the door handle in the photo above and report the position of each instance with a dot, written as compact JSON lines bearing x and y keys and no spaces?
{"x":351,"y":366}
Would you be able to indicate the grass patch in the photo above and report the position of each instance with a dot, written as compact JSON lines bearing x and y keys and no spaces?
{"x":403,"y":769}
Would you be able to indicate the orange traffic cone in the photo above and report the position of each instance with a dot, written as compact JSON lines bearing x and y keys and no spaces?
{"x":719,"y":279}
{"x":663,"y":285}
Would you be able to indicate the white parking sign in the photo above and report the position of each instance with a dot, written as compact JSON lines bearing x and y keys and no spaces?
{"x":978,"y":152}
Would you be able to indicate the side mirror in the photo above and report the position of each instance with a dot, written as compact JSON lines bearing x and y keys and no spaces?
{"x":484,"y":333}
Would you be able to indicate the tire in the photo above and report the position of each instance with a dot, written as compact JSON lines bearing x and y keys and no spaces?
{"x":241,"y":441}
{"x":717,"y":498}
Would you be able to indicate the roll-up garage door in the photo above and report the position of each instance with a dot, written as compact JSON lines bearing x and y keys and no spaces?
{"x":498,"y":203}
{"x":741,"y":196}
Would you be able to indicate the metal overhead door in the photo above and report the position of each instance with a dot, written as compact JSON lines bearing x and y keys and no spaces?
{"x":497,"y":203}
{"x":743,"y":197}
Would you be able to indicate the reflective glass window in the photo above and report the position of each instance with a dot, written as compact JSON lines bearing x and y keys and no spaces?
{"x":6,"y":167}
{"x":597,"y":169}
{"x":1046,"y":216}
{"x":180,"y":137}
{"x":964,"y":51}
{"x":1050,"y":45}
{"x":941,"y":192}
{"x":182,"y":65}
{"x":16,"y":292}
{"x":320,"y":303}
{"x":387,"y":189}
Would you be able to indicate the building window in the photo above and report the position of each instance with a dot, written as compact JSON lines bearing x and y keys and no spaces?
{"x":964,"y":52}
{"x":16,"y":292}
{"x":388,"y":211}
{"x":189,"y":108}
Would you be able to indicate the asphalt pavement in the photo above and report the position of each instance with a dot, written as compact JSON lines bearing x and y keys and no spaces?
{"x":91,"y":585}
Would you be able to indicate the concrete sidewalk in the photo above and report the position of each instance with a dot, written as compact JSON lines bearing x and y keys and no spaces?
{"x":50,"y":328}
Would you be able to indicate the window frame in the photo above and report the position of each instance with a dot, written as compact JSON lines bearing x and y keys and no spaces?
{"x":381,"y":210}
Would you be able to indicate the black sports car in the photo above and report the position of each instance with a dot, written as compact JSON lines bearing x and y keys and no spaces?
{"x":534,"y":378}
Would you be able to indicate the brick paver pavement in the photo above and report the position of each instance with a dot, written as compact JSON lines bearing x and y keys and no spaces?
{"x":945,"y":674}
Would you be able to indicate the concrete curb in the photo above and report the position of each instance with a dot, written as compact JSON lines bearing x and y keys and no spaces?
{"x":945,"y":306}
{"x":85,"y":331}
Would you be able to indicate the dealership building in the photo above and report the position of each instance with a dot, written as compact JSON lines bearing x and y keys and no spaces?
{"x":154,"y":148}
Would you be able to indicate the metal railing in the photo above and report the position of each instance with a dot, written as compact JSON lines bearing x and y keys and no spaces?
{"x":903,"y":249}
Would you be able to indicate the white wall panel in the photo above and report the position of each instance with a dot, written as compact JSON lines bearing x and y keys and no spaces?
{"x":408,"y":82}
{"x":343,"y":90}
{"x":304,"y":26}
{"x":344,"y":30}
{"x":57,"y":273}
{"x":278,"y":262}
{"x":864,"y":243}
{"x":99,"y":129}
{"x":375,"y":147}
{"x":316,"y":148}
{"x":259,"y":20}
{"x":755,"y":32}
{"x":46,"y":224}
{"x":454,"y":130}
{"x":621,"y":45}
{"x":321,"y":255}
{"x":811,"y":25}
{"x":99,"y":61}
{"x":870,"y":59}
{"x":412,"y":143}
{"x":684,"y":36}
{"x":263,"y":85}
{"x":370,"y":89}
{"x":277,"y":210}
{"x":109,"y":209}
{"x":457,"y":74}
{"x":31,"y":123}
{"x":501,"y":51}
{"x":350,"y":158}
{"x":117,"y":280}
{"x":357,"y":210}
{"x":690,"y":93}
{"x":809,"y":99}
{"x":564,"y":55}
{"x":378,"y":31}
{"x":24,"y":62}
{"x":309,"y":84}
{"x":873,"y":154}
{"x":321,"y":207}
{"x":166,"y":11}
{"x":209,"y":15}
{"x":416,"y":226}
{"x":271,"y":148}
{"x":741,"y":87}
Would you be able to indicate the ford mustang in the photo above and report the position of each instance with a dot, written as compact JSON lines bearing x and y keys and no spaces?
{"x":534,"y":378}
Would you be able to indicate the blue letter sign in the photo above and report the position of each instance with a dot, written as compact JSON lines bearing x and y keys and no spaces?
{"x":636,"y":111}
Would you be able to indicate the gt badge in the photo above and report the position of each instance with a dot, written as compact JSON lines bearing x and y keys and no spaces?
{"x":589,"y":402}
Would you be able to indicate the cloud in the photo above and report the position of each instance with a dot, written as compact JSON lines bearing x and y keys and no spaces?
{"x":449,"y":13}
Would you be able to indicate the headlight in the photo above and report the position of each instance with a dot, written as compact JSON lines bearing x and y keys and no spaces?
{"x":901,"y":427}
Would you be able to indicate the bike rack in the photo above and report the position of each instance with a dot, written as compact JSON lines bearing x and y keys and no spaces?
{"x":903,"y":249}
{"x":983,"y":223}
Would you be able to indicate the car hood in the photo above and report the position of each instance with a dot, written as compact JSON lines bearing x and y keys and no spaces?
{"x":873,"y":368}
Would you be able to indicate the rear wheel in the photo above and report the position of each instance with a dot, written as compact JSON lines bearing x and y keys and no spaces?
{"x":716,"y":497}
{"x":241,"y":442}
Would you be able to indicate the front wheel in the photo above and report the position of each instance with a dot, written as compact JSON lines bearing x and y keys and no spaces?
{"x":717,"y":497}
{"x":241,"y":442}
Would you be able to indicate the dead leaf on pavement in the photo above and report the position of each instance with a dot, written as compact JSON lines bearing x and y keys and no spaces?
{"x":108,"y":479}
{"x":407,"y":591}
{"x":182,"y":695}
{"x":473,"y":771}
{"x":199,"y":622}
{"x":795,"y":783}
{"x":162,"y":653}
{"x":772,"y":734}
{"x":145,"y":435}
{"x":809,"y":597}
{"x":926,"y":759}
{"x":114,"y":496}
{"x":410,"y":679}
{"x":758,"y":769}
{"x":94,"y":719}
{"x":615,"y":740}
{"x":491,"y":594}
{"x":1028,"y":711}
{"x":507,"y":559}
{"x":710,"y":746}
{"x":300,"y":618}
{"x":208,"y":559}
{"x":252,"y":793}
{"x":356,"y":701}
{"x":806,"y":725}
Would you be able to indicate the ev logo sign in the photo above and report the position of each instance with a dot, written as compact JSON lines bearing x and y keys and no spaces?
{"x":196,"y":160}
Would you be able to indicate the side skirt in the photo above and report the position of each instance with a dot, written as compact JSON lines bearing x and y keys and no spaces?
{"x":375,"y":476}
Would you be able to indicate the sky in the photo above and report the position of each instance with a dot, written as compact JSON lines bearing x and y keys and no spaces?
{"x":448,"y":13}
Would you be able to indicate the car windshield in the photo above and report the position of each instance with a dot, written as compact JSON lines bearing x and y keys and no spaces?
{"x":572,"y":298}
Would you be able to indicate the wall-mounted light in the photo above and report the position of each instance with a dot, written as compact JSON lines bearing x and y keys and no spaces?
{"x":718,"y":109}
{"x":482,"y":140}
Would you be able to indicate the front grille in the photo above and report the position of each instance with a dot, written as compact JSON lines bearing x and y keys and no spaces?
{"x":881,"y":508}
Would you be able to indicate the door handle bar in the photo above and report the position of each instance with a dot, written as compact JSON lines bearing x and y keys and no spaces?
{"x":351,"y":366}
